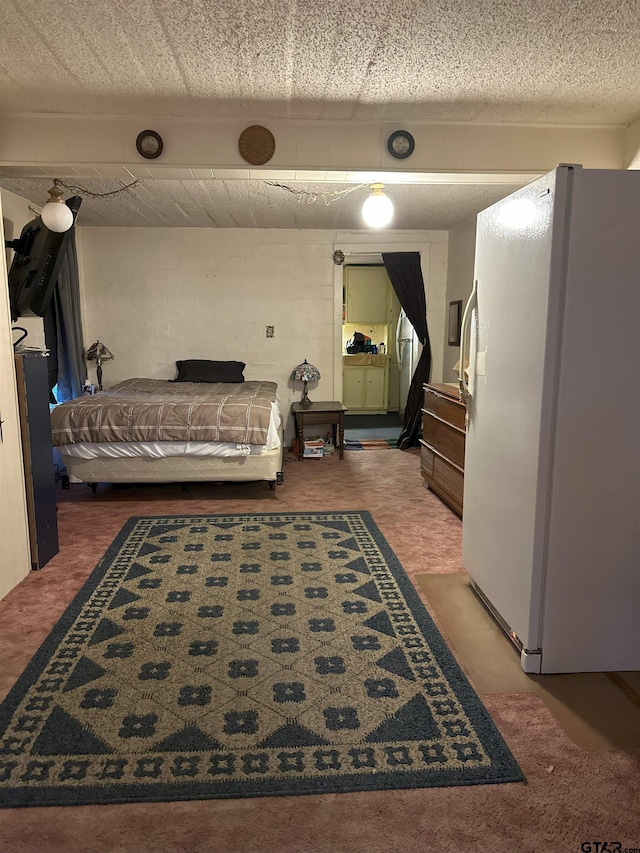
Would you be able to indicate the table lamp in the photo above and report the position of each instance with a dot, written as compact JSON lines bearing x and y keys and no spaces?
{"x":98,"y":352}
{"x":305,"y":372}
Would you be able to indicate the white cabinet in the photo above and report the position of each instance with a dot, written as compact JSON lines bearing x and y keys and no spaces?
{"x":365,"y":389}
{"x":365,"y":292}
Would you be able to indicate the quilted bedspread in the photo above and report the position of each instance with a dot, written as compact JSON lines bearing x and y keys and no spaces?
{"x":159,"y":410}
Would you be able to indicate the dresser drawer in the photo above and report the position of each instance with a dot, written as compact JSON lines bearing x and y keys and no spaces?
{"x":442,"y":443}
{"x":445,"y":408}
{"x":447,"y":440}
{"x":442,"y":478}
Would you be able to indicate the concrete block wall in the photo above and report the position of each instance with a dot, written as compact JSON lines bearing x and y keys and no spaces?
{"x":155,"y":296}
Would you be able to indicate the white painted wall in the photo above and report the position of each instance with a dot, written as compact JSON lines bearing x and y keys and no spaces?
{"x":155,"y":296}
{"x":462,"y":245}
{"x":105,"y":145}
{"x":15,"y":557}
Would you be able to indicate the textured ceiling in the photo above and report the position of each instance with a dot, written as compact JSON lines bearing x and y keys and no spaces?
{"x":516,"y":61}
{"x":575,"y":61}
{"x":256,"y":204}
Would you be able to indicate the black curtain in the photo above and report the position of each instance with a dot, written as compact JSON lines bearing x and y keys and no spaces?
{"x":63,"y":331}
{"x":403,"y":269}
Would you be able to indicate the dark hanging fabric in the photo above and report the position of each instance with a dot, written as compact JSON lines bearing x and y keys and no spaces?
{"x":63,"y":331}
{"x":51,"y":343}
{"x":403,"y":269}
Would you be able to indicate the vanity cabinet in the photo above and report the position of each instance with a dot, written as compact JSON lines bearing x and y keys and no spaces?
{"x":365,"y":389}
{"x":443,"y":443}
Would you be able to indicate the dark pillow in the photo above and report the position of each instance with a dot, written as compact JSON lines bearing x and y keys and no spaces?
{"x":202,"y":370}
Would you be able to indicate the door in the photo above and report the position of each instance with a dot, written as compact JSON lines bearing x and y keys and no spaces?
{"x":14,"y":534}
{"x":365,"y":295}
{"x":374,"y":396}
{"x":354,"y":387}
{"x":508,"y":437}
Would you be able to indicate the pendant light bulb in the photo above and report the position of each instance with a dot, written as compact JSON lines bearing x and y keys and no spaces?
{"x":56,"y":216}
{"x":377,"y":211}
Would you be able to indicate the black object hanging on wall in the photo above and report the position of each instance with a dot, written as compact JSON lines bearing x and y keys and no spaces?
{"x":37,"y":452}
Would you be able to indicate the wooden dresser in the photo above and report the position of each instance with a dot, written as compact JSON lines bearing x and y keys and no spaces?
{"x":442,"y":444}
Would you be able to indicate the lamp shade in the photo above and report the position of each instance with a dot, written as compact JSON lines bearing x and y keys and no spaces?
{"x":56,"y":216}
{"x":377,"y":211}
{"x":98,"y":352}
{"x":305,"y":372}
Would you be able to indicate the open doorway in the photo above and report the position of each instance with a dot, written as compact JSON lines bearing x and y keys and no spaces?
{"x":377,"y":352}
{"x":419,"y":276}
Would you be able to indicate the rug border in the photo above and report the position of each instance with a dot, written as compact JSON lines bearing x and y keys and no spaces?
{"x":504,"y":769}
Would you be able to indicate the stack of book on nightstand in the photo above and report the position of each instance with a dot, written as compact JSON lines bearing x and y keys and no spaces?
{"x":313,"y":448}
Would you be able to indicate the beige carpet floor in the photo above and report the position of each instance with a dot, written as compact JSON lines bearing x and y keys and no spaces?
{"x":573,"y":795}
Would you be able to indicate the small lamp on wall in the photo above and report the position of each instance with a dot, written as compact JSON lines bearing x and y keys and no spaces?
{"x":98,"y":352}
{"x":305,"y":372}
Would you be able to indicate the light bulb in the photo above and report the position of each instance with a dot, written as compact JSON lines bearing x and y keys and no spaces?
{"x":377,"y":211}
{"x":57,"y":216}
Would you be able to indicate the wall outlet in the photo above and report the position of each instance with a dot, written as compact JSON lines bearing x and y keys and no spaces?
{"x":271,"y":331}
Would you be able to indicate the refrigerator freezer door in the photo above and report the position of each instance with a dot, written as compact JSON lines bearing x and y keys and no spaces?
{"x":406,"y":349}
{"x":592,"y":587}
{"x":507,"y":448}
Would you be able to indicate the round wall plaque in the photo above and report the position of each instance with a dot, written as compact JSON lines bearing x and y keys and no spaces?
{"x":401,"y":144}
{"x":149,"y":144}
{"x":256,"y":145}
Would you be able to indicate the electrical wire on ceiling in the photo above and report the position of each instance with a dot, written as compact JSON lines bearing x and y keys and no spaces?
{"x":311,"y":197}
{"x":91,"y":194}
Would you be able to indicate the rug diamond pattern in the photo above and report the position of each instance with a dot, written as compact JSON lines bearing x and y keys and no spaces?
{"x":245,"y":655}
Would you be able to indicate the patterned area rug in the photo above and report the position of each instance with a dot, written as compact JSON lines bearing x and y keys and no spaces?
{"x":244,"y":655}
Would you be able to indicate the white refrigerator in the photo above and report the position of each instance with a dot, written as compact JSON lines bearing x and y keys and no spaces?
{"x":551,"y":523}
{"x":408,"y":349}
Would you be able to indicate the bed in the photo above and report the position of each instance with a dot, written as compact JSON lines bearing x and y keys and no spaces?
{"x":185,"y":430}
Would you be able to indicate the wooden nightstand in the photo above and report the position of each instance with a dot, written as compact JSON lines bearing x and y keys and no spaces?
{"x":320,"y":413}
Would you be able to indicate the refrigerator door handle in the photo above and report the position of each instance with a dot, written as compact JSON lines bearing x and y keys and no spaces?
{"x":465,"y":390}
{"x":398,"y":327}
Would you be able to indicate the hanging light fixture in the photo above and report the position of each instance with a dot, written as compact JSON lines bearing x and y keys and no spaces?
{"x":55,"y":214}
{"x":377,"y":211}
